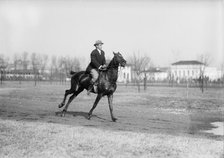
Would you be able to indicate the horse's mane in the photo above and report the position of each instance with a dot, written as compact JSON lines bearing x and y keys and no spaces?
{"x":112,"y":63}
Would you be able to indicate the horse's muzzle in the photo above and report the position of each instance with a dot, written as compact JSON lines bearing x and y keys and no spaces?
{"x":123,"y":63}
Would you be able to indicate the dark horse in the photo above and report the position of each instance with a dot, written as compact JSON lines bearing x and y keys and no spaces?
{"x":106,"y":84}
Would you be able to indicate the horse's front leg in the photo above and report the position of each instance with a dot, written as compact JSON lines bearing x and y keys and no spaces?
{"x":110,"y":102}
{"x":99,"y":96}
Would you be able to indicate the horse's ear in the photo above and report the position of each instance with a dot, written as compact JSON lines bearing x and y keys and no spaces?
{"x":114,"y":53}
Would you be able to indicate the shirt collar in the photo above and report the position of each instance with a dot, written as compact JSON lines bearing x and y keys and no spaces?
{"x":99,"y":51}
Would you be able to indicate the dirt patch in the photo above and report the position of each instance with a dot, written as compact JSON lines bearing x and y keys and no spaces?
{"x":218,"y":128}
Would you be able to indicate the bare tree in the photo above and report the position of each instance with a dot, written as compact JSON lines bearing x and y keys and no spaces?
{"x":35,"y":62}
{"x":54,"y":67}
{"x":62,"y":68}
{"x":140,"y":65}
{"x":43,"y":63}
{"x":15,"y":61}
{"x":3,"y":60}
{"x":3,"y":65}
{"x":205,"y":59}
{"x":72,"y":64}
{"x":25,"y":60}
{"x":222,"y":73}
{"x":67,"y":64}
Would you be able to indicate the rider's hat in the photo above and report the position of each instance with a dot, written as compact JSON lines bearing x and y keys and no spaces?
{"x":98,"y":42}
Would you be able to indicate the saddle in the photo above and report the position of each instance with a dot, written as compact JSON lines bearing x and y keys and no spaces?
{"x":94,"y":87}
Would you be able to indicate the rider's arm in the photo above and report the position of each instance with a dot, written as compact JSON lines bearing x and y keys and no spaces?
{"x":104,"y":60}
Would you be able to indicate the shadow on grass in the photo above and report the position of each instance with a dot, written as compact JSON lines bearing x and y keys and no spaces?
{"x":78,"y":113}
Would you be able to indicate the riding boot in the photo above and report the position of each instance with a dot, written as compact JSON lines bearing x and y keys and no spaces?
{"x":90,"y":87}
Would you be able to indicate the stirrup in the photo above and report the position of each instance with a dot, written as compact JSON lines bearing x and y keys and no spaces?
{"x":95,"y":88}
{"x":89,"y":90}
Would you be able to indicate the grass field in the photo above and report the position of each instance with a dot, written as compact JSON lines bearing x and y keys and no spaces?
{"x":160,"y":122}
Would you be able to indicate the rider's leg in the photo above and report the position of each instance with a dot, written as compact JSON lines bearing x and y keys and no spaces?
{"x":95,"y":76}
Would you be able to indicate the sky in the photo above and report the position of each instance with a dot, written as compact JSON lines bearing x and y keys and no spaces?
{"x":166,"y":31}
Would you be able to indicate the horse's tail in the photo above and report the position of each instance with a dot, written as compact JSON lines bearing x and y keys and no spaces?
{"x":75,"y":79}
{"x":72,"y":72}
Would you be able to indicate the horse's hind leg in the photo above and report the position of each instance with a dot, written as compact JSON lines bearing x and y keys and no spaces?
{"x":70,"y":100}
{"x":67,"y":92}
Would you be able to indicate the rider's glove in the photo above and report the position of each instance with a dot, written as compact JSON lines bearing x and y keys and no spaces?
{"x":102,"y":67}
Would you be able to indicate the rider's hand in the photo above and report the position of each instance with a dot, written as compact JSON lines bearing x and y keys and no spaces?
{"x":102,"y":67}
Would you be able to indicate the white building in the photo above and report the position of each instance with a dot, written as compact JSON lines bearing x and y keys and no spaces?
{"x":191,"y":69}
{"x":25,"y":74}
{"x":124,"y":74}
{"x":186,"y":69}
{"x":213,"y":73}
{"x":156,"y":74}
{"x":13,"y":72}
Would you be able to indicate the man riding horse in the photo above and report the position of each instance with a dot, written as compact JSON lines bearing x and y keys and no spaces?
{"x":106,"y":82}
{"x":98,"y":62}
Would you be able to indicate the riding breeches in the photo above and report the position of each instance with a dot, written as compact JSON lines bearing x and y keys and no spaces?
{"x":94,"y":74}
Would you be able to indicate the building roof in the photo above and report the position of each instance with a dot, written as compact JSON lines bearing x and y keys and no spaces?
{"x":188,"y":62}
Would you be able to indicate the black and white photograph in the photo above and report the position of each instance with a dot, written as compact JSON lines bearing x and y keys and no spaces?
{"x":111,"y":78}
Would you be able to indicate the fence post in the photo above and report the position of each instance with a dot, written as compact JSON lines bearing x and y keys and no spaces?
{"x":1,"y":76}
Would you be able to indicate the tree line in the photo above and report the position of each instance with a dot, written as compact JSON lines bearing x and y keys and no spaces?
{"x":57,"y":68}
{"x":41,"y":66}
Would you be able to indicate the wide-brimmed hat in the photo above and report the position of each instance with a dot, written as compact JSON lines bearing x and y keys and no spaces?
{"x":98,"y":42}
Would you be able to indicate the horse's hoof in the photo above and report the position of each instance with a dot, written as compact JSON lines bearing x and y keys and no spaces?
{"x":61,"y":105}
{"x":63,"y":114}
{"x":114,"y":119}
{"x":89,"y":116}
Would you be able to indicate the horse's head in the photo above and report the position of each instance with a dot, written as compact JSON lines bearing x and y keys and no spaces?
{"x":119,"y":59}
